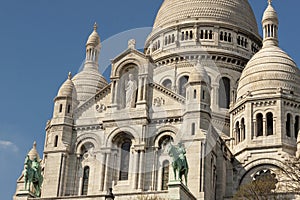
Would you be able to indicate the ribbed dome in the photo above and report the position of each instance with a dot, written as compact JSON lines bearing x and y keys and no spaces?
{"x":94,"y":38}
{"x":67,"y":87}
{"x":33,"y":153}
{"x":268,"y":70}
{"x":237,"y":13}
{"x":87,"y":83}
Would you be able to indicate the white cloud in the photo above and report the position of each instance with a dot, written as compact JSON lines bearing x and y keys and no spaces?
{"x":7,"y":145}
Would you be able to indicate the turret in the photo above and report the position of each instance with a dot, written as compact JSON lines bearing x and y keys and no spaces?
{"x":58,"y":142}
{"x":198,"y":95}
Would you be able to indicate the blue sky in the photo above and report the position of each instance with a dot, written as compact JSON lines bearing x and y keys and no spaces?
{"x":42,"y":40}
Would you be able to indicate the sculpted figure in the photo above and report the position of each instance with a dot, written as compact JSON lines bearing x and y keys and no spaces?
{"x":179,"y":164}
{"x":130,"y":92}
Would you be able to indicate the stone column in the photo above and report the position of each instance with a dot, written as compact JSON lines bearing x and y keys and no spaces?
{"x":154,"y":170}
{"x":141,"y":171}
{"x":102,"y":171}
{"x":135,"y":169}
{"x":107,"y":173}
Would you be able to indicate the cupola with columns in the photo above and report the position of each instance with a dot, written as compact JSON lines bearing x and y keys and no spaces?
{"x":266,"y":111}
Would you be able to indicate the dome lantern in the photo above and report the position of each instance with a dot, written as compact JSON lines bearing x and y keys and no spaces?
{"x":270,"y":26}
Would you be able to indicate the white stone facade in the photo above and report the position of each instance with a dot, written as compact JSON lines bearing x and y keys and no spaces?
{"x":206,"y":79}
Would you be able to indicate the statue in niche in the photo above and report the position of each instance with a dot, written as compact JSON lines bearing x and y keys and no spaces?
{"x":130,"y":90}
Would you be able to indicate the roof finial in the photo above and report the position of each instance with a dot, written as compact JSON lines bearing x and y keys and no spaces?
{"x":34,"y":145}
{"x":70,"y":76}
{"x":270,"y":2}
{"x":95,"y":26}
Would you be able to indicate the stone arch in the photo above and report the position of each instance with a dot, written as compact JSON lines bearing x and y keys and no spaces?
{"x":131,"y":133}
{"x":87,"y":138}
{"x":259,"y":163}
{"x":161,"y":136}
{"x":124,"y":64}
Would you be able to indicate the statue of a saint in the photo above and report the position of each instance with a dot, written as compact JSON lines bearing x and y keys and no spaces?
{"x":130,"y":92}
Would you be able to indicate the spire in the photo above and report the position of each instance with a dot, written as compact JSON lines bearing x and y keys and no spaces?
{"x":93,"y":46}
{"x":270,"y":2}
{"x":270,"y":26}
{"x":34,"y":145}
{"x":70,"y":76}
{"x":95,"y":26}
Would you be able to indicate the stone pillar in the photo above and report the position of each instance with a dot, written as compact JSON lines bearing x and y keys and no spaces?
{"x":154,"y":170}
{"x":178,"y":191}
{"x":102,"y":171}
{"x":107,"y":177}
{"x":135,"y":169}
{"x":141,"y":171}
{"x":23,"y":195}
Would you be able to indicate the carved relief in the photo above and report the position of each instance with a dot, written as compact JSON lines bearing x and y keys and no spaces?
{"x":100,"y":108}
{"x":158,"y":101}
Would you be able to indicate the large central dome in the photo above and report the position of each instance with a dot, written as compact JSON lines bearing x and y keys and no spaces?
{"x":232,"y":12}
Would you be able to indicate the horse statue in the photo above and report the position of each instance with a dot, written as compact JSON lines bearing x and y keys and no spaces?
{"x":33,"y":175}
{"x":179,"y":164}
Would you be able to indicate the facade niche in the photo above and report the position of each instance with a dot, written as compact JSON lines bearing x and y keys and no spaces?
{"x":128,"y":87}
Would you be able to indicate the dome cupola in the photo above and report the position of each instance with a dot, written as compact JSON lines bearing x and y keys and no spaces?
{"x":94,"y":38}
{"x":198,"y":74}
{"x":67,"y":87}
{"x":89,"y":81}
{"x":33,"y":153}
{"x":271,"y":69}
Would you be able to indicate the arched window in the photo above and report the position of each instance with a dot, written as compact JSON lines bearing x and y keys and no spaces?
{"x":210,"y":35}
{"x":243,"y":129}
{"x":60,"y":108}
{"x":195,"y":94}
{"x":167,"y":83}
{"x":125,"y":153}
{"x":224,"y":93}
{"x":238,"y":133}
{"x":193,"y":128}
{"x":269,"y":123}
{"x":182,"y":82}
{"x":288,"y":125}
{"x":165,"y":175}
{"x":221,"y":36}
{"x":56,"y":141}
{"x":85,"y":180}
{"x":296,"y":126}
{"x":259,"y":125}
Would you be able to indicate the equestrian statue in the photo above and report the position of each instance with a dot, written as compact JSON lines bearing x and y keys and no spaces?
{"x":33,"y":175}
{"x":179,"y":164}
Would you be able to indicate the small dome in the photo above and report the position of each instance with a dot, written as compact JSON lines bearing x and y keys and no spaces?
{"x":94,"y":38}
{"x":237,"y":13}
{"x":66,"y":90}
{"x":268,"y":70}
{"x":33,"y":153}
{"x":87,"y":83}
{"x":270,"y":14}
{"x":198,"y":74}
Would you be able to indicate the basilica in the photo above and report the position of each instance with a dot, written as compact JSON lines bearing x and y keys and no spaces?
{"x":206,"y":83}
